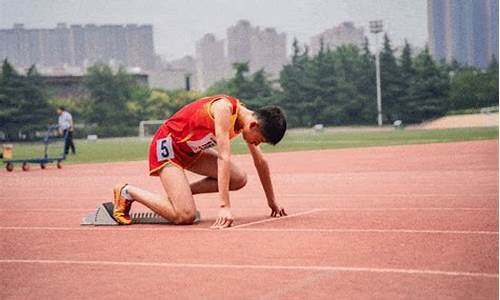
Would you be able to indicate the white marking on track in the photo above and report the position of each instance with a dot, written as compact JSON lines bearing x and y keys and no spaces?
{"x":252,"y":267}
{"x":275,"y":219}
{"x":89,"y":210}
{"x":239,"y":229}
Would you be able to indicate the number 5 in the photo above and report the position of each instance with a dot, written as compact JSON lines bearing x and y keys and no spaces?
{"x":164,"y":149}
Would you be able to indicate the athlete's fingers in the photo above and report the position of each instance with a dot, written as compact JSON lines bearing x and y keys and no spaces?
{"x":227,"y":223}
{"x":283,"y":212}
{"x":222,"y":222}
{"x":216,"y":223}
{"x":273,"y":213}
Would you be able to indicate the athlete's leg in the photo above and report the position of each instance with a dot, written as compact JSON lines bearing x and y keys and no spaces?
{"x":207,"y":165}
{"x":178,"y":205}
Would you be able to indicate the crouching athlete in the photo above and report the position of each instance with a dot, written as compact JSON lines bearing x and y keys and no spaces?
{"x":185,"y":141}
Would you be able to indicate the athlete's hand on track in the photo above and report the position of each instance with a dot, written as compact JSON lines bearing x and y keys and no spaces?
{"x":224,"y":220}
{"x":277,"y":211}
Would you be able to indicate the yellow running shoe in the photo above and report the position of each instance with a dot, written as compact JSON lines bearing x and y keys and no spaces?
{"x":121,"y":210}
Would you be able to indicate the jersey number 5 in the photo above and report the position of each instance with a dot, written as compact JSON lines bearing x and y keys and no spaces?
{"x":164,"y":149}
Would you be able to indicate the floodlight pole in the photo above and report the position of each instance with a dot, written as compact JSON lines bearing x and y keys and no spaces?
{"x":376,"y":27}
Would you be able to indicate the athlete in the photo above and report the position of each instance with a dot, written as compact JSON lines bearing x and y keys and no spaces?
{"x":185,"y":141}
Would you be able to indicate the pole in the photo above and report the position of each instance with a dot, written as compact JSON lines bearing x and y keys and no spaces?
{"x":377,"y":27}
{"x":379,"y":91}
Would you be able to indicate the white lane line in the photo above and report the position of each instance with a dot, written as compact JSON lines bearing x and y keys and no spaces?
{"x":342,"y":230}
{"x":108,"y":228}
{"x":239,"y":229}
{"x":410,"y":208}
{"x":89,"y":210}
{"x":251,"y":267}
{"x":47,"y":209}
{"x":322,"y":196}
{"x":371,"y":195}
{"x":275,"y":219}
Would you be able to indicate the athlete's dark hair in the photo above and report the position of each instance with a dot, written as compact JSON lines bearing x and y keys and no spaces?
{"x":272,"y":121}
{"x":61,"y":108}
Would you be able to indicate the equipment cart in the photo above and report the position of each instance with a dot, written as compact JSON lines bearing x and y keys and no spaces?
{"x":43,"y":161}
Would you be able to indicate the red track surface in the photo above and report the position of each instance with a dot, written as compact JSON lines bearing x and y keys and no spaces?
{"x":401,"y":222}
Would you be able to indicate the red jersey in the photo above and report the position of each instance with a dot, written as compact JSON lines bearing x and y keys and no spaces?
{"x":182,"y":138}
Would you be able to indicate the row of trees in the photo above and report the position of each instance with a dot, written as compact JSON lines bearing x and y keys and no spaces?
{"x":24,"y":103}
{"x":332,"y":87}
{"x":337,"y":87}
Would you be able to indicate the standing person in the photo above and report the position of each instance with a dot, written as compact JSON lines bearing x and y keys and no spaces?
{"x":183,"y":143}
{"x":66,"y":128}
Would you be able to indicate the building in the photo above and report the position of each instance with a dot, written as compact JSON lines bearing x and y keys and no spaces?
{"x":239,"y":42}
{"x":268,"y":51}
{"x":463,"y":30}
{"x":211,"y":63}
{"x":343,"y":34}
{"x":72,"y":86}
{"x":173,"y":75}
{"x":130,"y":45}
{"x":262,"y":49}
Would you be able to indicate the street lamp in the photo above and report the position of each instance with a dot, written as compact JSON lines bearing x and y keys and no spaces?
{"x":377,"y":27}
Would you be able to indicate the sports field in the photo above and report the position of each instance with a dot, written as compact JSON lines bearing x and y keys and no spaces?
{"x":386,"y":222}
{"x":133,"y":148}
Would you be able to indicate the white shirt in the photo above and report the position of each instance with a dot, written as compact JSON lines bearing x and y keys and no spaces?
{"x":65,"y":120}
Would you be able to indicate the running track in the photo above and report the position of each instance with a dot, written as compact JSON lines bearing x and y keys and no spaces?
{"x":403,"y":222}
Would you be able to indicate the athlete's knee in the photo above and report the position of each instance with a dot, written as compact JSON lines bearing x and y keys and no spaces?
{"x":239,"y":181}
{"x":185,"y":217}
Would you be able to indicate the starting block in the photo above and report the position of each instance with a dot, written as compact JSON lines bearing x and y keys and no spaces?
{"x":104,"y":217}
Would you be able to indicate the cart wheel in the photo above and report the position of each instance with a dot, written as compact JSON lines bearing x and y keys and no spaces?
{"x":9,"y":167}
{"x":26,"y":167}
{"x":43,"y":166}
{"x":59,"y":164}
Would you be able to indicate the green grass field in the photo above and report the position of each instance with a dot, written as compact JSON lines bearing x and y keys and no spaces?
{"x":129,"y":149}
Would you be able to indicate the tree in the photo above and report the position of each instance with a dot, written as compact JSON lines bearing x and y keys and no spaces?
{"x":23,"y":99}
{"x":117,"y":101}
{"x":366,"y":85}
{"x":391,"y":82}
{"x":428,"y":91}
{"x":222,"y":86}
{"x":474,"y":88}
{"x":337,"y":86}
{"x":296,"y":81}
{"x":407,"y":76}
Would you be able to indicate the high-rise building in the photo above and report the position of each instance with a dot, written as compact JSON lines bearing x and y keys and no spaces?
{"x":343,"y":34}
{"x":492,"y":29}
{"x":140,"y":48}
{"x":463,"y":30}
{"x":211,"y":64}
{"x":239,"y":41}
{"x":78,"y":40}
{"x":262,"y":49}
{"x":268,"y":51}
{"x":79,"y":46}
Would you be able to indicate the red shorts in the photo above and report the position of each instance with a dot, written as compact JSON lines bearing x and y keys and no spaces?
{"x":164,"y":151}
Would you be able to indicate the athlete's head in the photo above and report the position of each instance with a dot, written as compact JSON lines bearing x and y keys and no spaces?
{"x":269,"y":127}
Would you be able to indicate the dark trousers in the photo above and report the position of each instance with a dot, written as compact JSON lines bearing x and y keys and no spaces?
{"x":68,"y":141}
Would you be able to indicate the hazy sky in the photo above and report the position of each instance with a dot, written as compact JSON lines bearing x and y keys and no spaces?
{"x":178,"y":24}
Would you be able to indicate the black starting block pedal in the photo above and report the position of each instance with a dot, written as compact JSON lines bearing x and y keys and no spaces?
{"x":104,"y":217}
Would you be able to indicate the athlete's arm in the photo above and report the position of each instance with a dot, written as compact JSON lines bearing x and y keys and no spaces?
{"x":265,"y":179}
{"x":222,"y":111}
